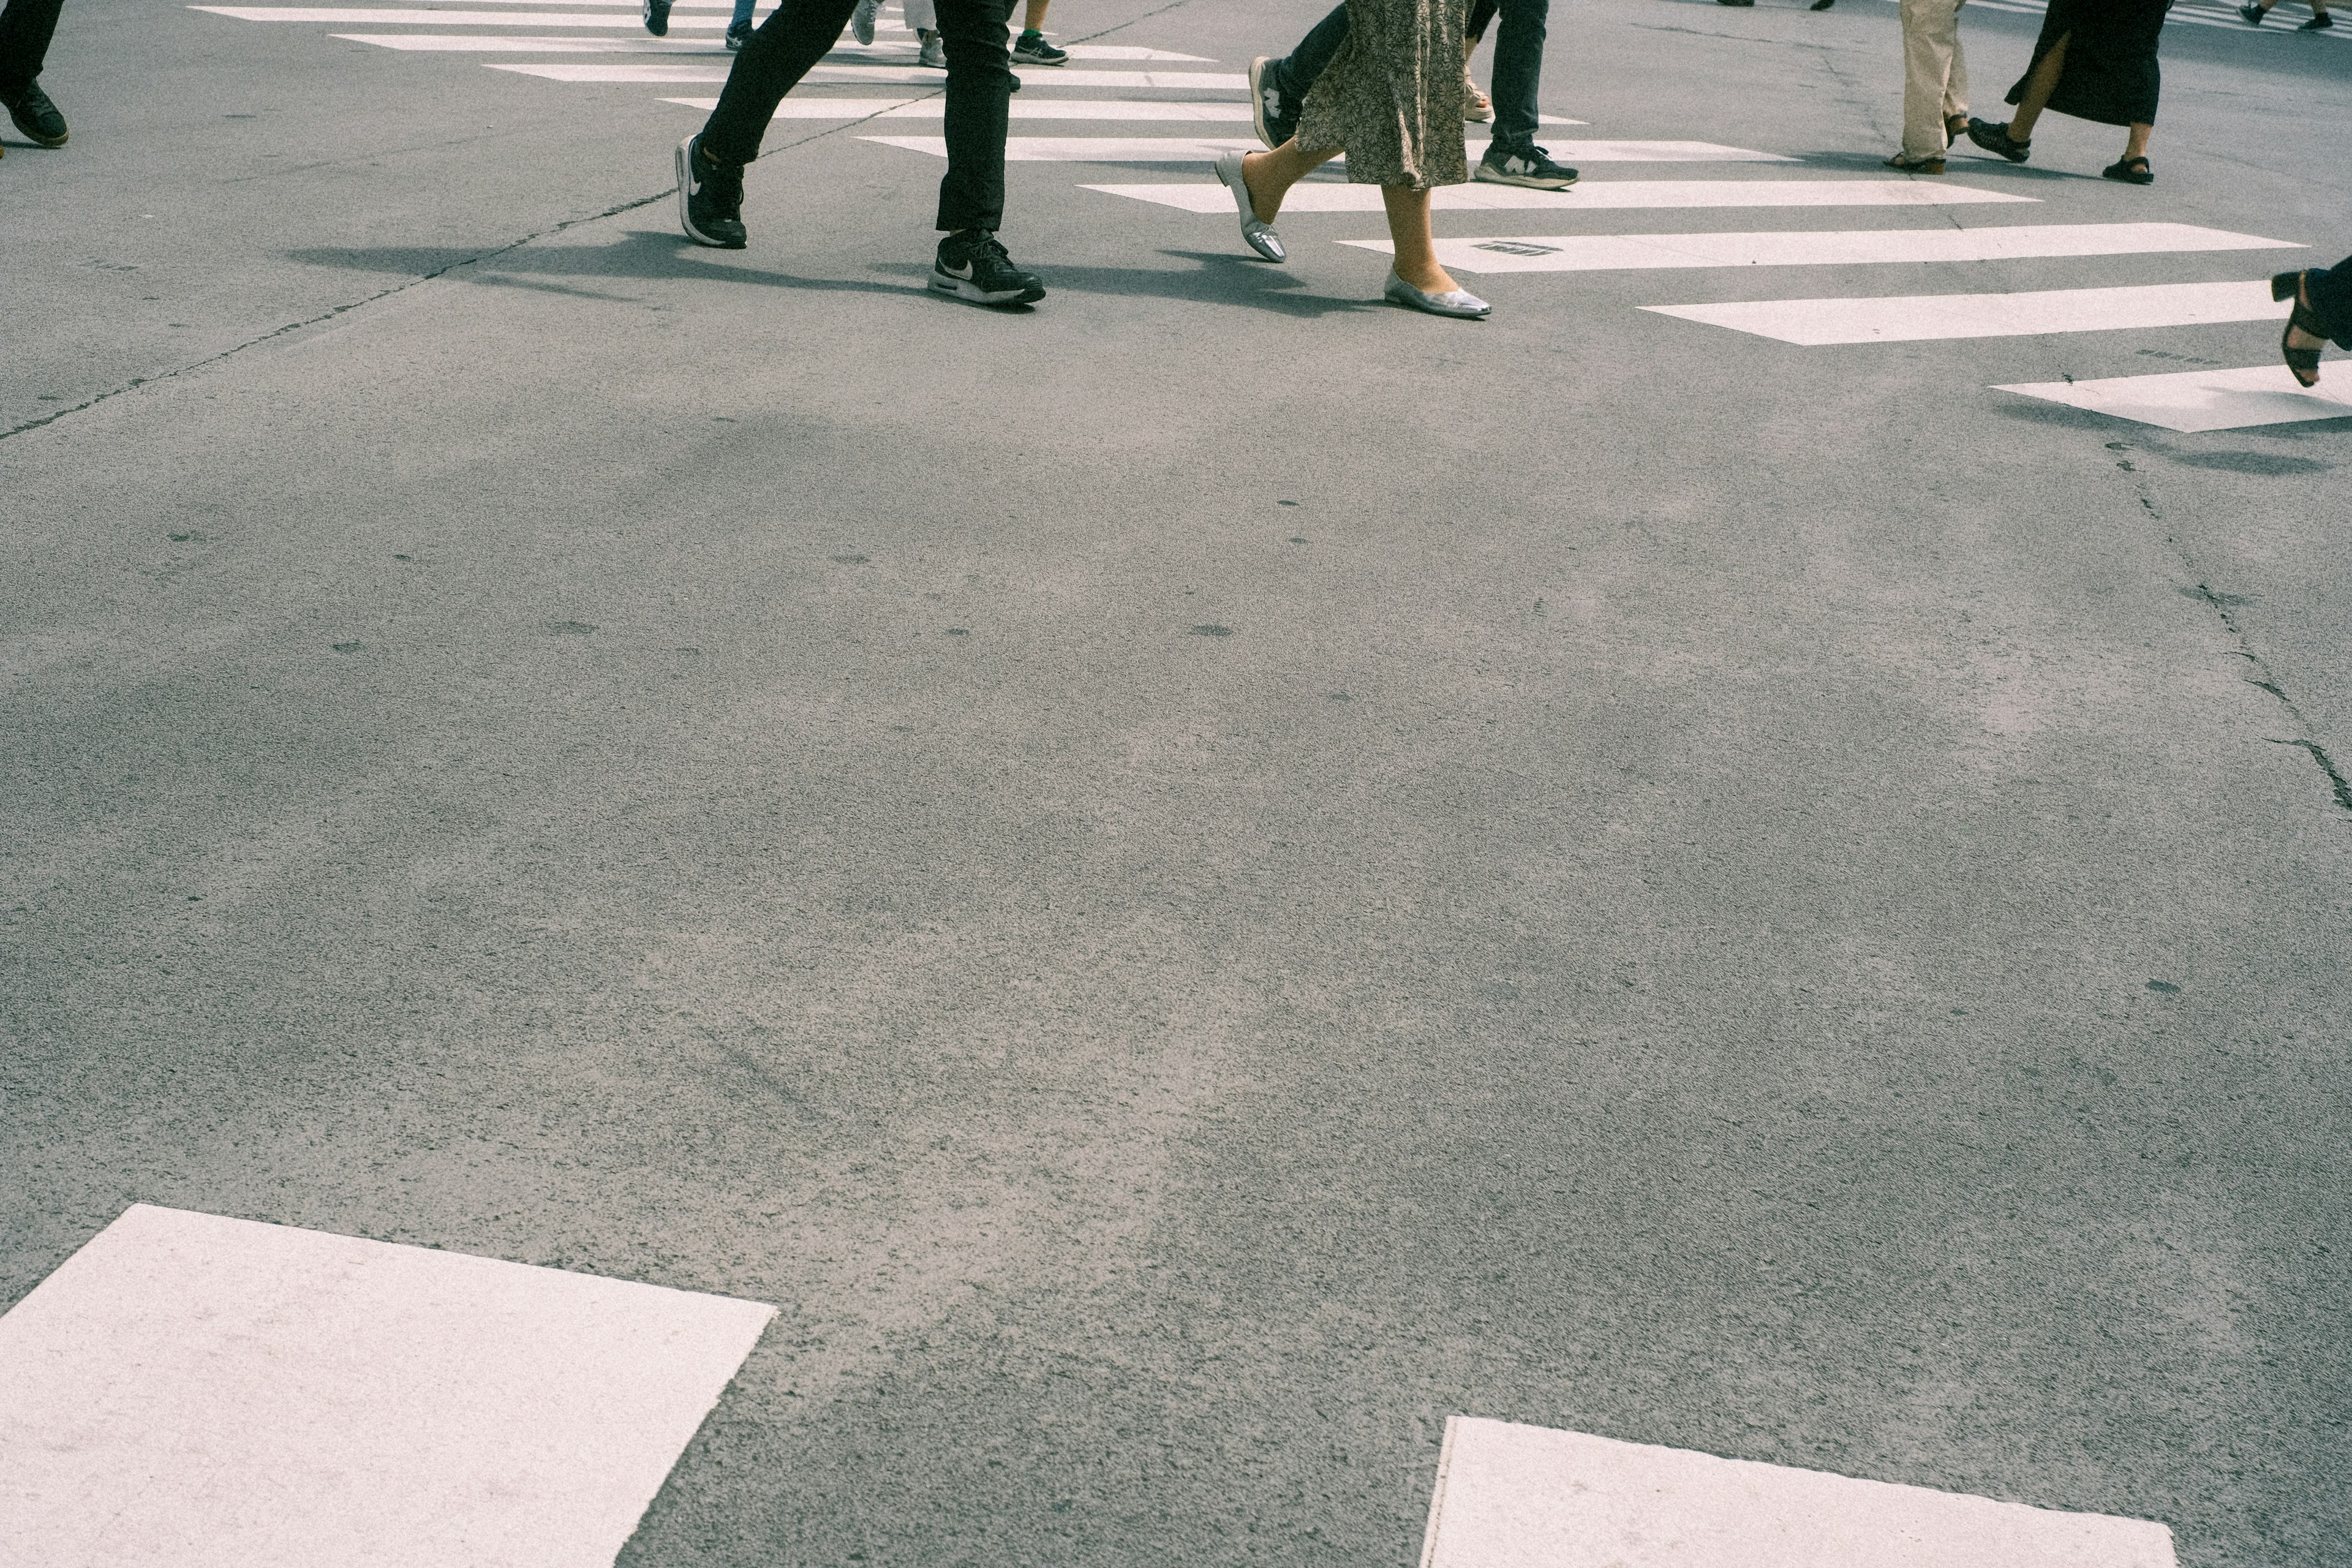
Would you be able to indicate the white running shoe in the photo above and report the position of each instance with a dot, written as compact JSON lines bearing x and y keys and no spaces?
{"x":933,"y":54}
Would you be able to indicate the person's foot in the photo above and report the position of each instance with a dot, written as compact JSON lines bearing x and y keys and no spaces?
{"x":738,"y":34}
{"x":1257,"y":229}
{"x":1528,"y":166}
{"x":36,"y":117}
{"x":2251,"y":15}
{"x":1275,"y":111}
{"x":972,"y":265}
{"x":1824,"y":5}
{"x":1451,"y":300}
{"x":709,"y":198}
{"x":1911,"y":165}
{"x":2318,"y":23}
{"x":1032,"y":49}
{"x":861,"y":21}
{"x":1996,"y":139}
{"x":2130,"y":171}
{"x":1475,"y":105}
{"x":933,"y":55}
{"x":1956,"y":126}
{"x":657,"y":18}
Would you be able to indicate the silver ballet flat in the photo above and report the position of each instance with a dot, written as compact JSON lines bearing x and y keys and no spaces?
{"x":1452,"y":302}
{"x":1259,"y":237}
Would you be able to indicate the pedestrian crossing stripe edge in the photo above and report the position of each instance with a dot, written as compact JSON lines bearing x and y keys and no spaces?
{"x":1927,"y":318}
{"x":1828,"y":247}
{"x":1588,"y":195}
{"x":2194,"y":401}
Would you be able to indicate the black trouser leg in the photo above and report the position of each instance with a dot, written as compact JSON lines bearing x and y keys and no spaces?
{"x":1295,"y":72}
{"x":1482,"y":12}
{"x":797,"y":36}
{"x":26,"y":26}
{"x":2331,"y":299}
{"x":980,"y":91}
{"x":1518,"y":71}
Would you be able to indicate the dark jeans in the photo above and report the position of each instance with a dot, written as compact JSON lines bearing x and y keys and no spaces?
{"x":2331,"y":299}
{"x":1519,"y":63}
{"x":980,"y":85}
{"x":25,"y":29}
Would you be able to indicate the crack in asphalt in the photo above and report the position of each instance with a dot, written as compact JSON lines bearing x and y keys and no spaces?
{"x":2266,"y":681}
{"x":490,"y":253}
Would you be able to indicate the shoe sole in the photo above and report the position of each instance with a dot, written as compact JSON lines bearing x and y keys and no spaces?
{"x":685,"y":215}
{"x":1494,"y":176}
{"x":1257,"y":101}
{"x":966,"y":290}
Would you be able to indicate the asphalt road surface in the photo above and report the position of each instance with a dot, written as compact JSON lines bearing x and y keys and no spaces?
{"x":1195,"y":879}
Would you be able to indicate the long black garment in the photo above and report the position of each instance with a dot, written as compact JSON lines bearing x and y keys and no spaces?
{"x":2331,"y":299}
{"x":2110,"y":75}
{"x":25,"y":29}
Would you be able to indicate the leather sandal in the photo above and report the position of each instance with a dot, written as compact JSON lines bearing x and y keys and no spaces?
{"x":2130,"y":171}
{"x":1996,"y":139}
{"x":2303,"y":362}
{"x":1956,"y":127}
{"x":1910,"y":165}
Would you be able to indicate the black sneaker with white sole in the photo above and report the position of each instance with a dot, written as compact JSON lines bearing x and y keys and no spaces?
{"x":972,"y":266}
{"x":1275,"y":111}
{"x":738,"y":34}
{"x":1032,"y":49}
{"x":709,"y":198}
{"x":1528,"y":166}
{"x":657,"y":18}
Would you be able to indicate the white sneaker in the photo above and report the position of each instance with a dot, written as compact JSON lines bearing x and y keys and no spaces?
{"x":933,"y":54}
{"x":861,"y":21}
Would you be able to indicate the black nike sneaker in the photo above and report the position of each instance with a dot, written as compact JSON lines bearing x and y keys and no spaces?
{"x":972,"y":266}
{"x":709,"y":198}
{"x":657,"y":15}
{"x":36,"y":117}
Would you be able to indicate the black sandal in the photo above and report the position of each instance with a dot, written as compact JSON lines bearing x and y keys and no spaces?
{"x":2303,"y":362}
{"x":1996,"y":139}
{"x":2130,"y":171}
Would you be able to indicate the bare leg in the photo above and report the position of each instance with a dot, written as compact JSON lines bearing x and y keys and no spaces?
{"x":1033,"y":20}
{"x":1270,"y":175}
{"x":1416,"y":248}
{"x":2136,"y":145}
{"x":2038,"y":89}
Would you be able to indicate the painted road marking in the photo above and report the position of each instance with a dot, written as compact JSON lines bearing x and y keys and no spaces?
{"x":193,"y":1392}
{"x":2196,"y":400}
{"x":1106,"y":109}
{"x":1919,"y":318}
{"x":1592,"y":196}
{"x":1185,"y":150}
{"x":494,"y":44}
{"x":1849,"y":247}
{"x":1510,"y":1496}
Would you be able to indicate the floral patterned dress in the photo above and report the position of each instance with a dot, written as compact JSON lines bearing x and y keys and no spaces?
{"x":1392,"y":96}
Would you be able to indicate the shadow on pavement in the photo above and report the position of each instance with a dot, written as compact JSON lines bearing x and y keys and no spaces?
{"x":1219,"y":278}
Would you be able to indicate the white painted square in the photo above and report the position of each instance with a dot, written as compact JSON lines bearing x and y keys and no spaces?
{"x":1528,"y":1497}
{"x":2195,"y":400}
{"x":193,"y":1392}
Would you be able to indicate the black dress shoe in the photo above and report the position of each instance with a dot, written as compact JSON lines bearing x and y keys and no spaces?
{"x":36,"y":117}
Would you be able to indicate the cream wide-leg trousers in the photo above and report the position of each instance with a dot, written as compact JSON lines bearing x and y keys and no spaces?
{"x":1934,"y":75}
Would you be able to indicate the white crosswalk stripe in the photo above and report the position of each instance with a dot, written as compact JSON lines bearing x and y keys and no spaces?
{"x":1196,"y":150}
{"x":212,"y":1392}
{"x":1922,"y":318}
{"x":2196,"y":400}
{"x":1811,"y":247}
{"x":1591,"y":196}
{"x":1510,"y":1495}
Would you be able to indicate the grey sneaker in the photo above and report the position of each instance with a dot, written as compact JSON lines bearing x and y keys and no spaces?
{"x":1528,"y":166}
{"x":861,"y":21}
{"x":933,"y":54}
